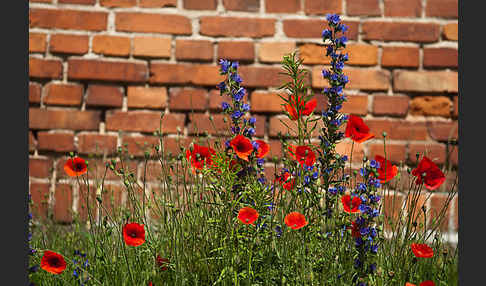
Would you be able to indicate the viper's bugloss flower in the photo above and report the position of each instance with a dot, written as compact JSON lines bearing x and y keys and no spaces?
{"x":221,"y":86}
{"x":248,"y":215}
{"x":225,"y":64}
{"x":422,"y":250}
{"x":225,"y":105}
{"x":199,"y":157}
{"x":242,"y":146}
{"x":245,"y":107}
{"x":262,"y":149}
{"x":286,"y":180}
{"x":134,"y":234}
{"x":238,"y":96}
{"x":302,"y":154}
{"x":75,"y":167}
{"x":236,"y":114}
{"x":350,"y":205}
{"x":357,"y":130}
{"x":326,"y":34}
{"x":433,"y":175}
{"x":161,"y":262}
{"x":236,"y":78}
{"x":252,"y":120}
{"x":386,"y":171}
{"x":333,"y":19}
{"x":250,"y":131}
{"x":295,"y":220}
{"x":53,"y":262}
{"x":296,"y":104}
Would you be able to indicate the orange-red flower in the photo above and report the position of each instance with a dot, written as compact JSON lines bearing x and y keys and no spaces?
{"x":162,"y":262}
{"x":387,"y":171}
{"x":303,"y":154}
{"x":409,"y":284}
{"x":150,"y":283}
{"x":422,"y":250}
{"x":351,"y":205}
{"x":263,"y":148}
{"x":427,"y":283}
{"x":134,"y":234}
{"x":305,"y":109}
{"x":357,"y":130}
{"x":242,"y":146}
{"x":248,"y":215}
{"x":75,"y":167}
{"x":53,"y":262}
{"x":199,"y":157}
{"x":433,"y":175}
{"x":286,"y":180}
{"x":295,"y":220}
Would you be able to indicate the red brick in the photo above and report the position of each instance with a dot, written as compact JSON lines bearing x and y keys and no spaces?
{"x":441,"y":8}
{"x":157,"y":3}
{"x":344,"y":148}
{"x":143,"y":121}
{"x":172,"y":145}
{"x":356,"y":104}
{"x":104,"y":95}
{"x":42,"y":68}
{"x":397,"y":129}
{"x":431,"y":106}
{"x":63,"y":94}
{"x":363,"y":79}
{"x":185,"y":73}
{"x":395,"y":152}
{"x":312,"y":28}
{"x":68,"y":19}
{"x":118,"y":3}
{"x":63,"y":119}
{"x":97,"y":167}
{"x":40,"y":167}
{"x":215,"y":100}
{"x":69,"y":44}
{"x":391,"y":205}
{"x":434,"y":151}
{"x":237,"y":26}
{"x":128,"y":71}
{"x":35,"y":92}
{"x":242,"y":5}
{"x":241,"y":51}
{"x":82,"y":2}
{"x":188,"y":99}
{"x":83,"y":203}
{"x":363,"y":8}
{"x":267,"y":102}
{"x":440,"y":57}
{"x":137,"y":145}
{"x":400,"y":57}
{"x":452,"y":155}
{"x":153,"y":23}
{"x":40,"y":200}
{"x":414,"y":206}
{"x":440,"y":211}
{"x":273,"y":52}
{"x":277,"y":126}
{"x":32,"y":142}
{"x":262,"y":76}
{"x":152,"y":47}
{"x":260,"y":125}
{"x":63,"y":201}
{"x":282,"y":6}
{"x":399,"y":8}
{"x":199,"y":123}
{"x":112,"y":199}
{"x":146,"y":97}
{"x":55,"y":141}
{"x":93,"y":143}
{"x":456,"y":107}
{"x":200,"y":4}
{"x":407,"y":32}
{"x":450,"y":32}
{"x":323,"y":7}
{"x":443,"y":131}
{"x":37,"y":42}
{"x":425,"y":81}
{"x":111,"y":45}
{"x":385,"y":105}
{"x":194,"y":50}
{"x":275,"y":149}
{"x":359,"y":54}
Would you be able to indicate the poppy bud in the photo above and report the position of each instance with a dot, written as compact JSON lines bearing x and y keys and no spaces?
{"x":384,"y":134}
{"x":365,"y":159}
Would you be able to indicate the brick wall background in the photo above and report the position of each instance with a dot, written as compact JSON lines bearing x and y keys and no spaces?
{"x":97,"y":67}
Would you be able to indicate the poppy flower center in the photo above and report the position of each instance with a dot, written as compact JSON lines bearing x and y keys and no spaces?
{"x":78,"y":167}
{"x":133,"y":234}
{"x":54,"y":262}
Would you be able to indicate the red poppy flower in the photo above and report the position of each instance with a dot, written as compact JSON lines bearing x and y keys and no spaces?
{"x":303,"y":154}
{"x":286,"y":180}
{"x":433,"y":175}
{"x":351,"y":205}
{"x":247,"y":215}
{"x":387,"y":171}
{"x":242,"y":146}
{"x":263,"y":148}
{"x":409,"y":284}
{"x":422,"y":250}
{"x":162,"y":262}
{"x":295,"y":220}
{"x":305,"y":109}
{"x":427,"y":283}
{"x":357,"y":130}
{"x":134,"y":234}
{"x":150,"y":283}
{"x":199,"y":157}
{"x":75,"y":167}
{"x":53,"y":262}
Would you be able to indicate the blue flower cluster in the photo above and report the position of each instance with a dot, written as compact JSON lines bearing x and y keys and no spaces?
{"x":81,"y":268}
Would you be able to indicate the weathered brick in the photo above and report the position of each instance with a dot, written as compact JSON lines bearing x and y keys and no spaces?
{"x":397,"y":129}
{"x":266,"y":102}
{"x":275,"y":149}
{"x":55,"y":141}
{"x":312,"y":28}
{"x":63,"y":94}
{"x":40,"y":167}
{"x":40,"y":199}
{"x":172,"y":145}
{"x":152,"y":47}
{"x":42,"y":68}
{"x":359,"y":54}
{"x":273,"y":52}
{"x":157,"y":3}
{"x":118,"y":3}
{"x":277,"y":126}
{"x":362,"y":7}
{"x":439,"y":212}
{"x":282,"y":6}
{"x":434,"y":151}
{"x":68,"y":19}
{"x":199,"y":123}
{"x":356,"y":104}
{"x":398,"y":8}
{"x":188,"y":99}
{"x":82,"y":2}
{"x":194,"y":50}
{"x":84,"y":203}
{"x":414,"y":204}
{"x":107,"y":70}
{"x":407,"y":32}
{"x":395,"y":152}
{"x":215,"y":100}
{"x":452,"y":156}
{"x":32,"y":142}
{"x":35,"y":92}
{"x":450,"y":32}
{"x":63,"y":119}
{"x":456,"y":106}
{"x":385,"y":105}
{"x":146,"y":97}
{"x":63,"y":201}
{"x":111,"y":45}
{"x":425,"y":81}
{"x":262,"y":76}
{"x":185,"y":73}
{"x":232,"y":50}
{"x":200,"y":4}
{"x":344,"y":148}
{"x":137,"y":145}
{"x":143,"y":121}
{"x":391,"y":205}
{"x":69,"y":44}
{"x":153,"y":23}
{"x":37,"y":42}
{"x":364,"y":79}
{"x":400,"y":57}
{"x":440,"y":57}
{"x":104,"y":95}
{"x":237,"y":27}
{"x":93,"y":143}
{"x":443,"y":131}
{"x":242,"y":5}
{"x":441,"y":8}
{"x":323,"y":7}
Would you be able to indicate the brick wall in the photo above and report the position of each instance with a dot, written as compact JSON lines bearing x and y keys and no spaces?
{"x":97,"y":67}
